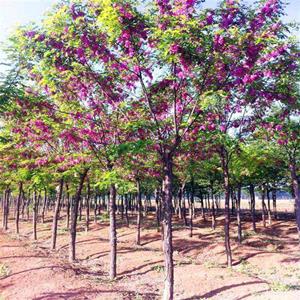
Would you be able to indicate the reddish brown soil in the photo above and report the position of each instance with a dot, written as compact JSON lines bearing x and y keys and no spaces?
{"x":266,"y":266}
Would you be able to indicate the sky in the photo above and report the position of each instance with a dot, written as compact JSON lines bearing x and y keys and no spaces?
{"x":20,"y":12}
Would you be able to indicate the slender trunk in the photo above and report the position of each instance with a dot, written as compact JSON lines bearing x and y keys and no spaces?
{"x":122,"y":207}
{"x":126,"y":210}
{"x":295,"y":184}
{"x":252,"y":203}
{"x":167,"y":230}
{"x":224,"y":159}
{"x":113,"y":232}
{"x":68,"y":207}
{"x":56,"y":213}
{"x":95,"y":208}
{"x":44,"y":205}
{"x":157,"y":209}
{"x":34,"y":217}
{"x":269,"y":207}
{"x":263,"y":206}
{"x":5,"y":208}
{"x":74,"y":214}
{"x":18,"y":206}
{"x":139,"y":213}
{"x":202,"y":206}
{"x":274,"y":203}
{"x":191,"y":204}
{"x":213,"y":215}
{"x":87,"y":208}
{"x":238,"y":213}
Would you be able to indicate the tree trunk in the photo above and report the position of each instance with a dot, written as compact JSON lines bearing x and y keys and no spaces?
{"x":202,"y":206}
{"x":34,"y":217}
{"x":224,"y":160}
{"x":126,"y":210}
{"x":167,"y":230}
{"x":68,"y":207}
{"x":113,"y":232}
{"x":269,"y":207}
{"x":252,"y":203}
{"x":274,"y":203}
{"x":18,"y":206}
{"x":295,"y":184}
{"x":213,"y":215}
{"x":139,"y":213}
{"x":44,"y":205}
{"x":74,"y":214}
{"x":56,"y":213}
{"x":238,"y":213}
{"x":263,"y":205}
{"x":191,"y":210}
{"x":157,"y":209}
{"x":87,"y":208}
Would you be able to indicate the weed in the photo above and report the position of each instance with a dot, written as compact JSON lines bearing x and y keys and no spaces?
{"x":158,"y":268}
{"x":4,"y":271}
{"x":278,"y":286}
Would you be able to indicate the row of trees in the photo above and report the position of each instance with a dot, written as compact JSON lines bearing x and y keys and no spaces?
{"x":164,"y":99}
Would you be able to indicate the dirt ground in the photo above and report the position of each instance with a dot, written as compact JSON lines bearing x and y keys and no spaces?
{"x":266,"y":265}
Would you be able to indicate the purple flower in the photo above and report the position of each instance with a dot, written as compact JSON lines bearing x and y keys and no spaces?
{"x":175,"y":48}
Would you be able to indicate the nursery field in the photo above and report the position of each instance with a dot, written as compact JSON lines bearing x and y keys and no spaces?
{"x":265,"y":266}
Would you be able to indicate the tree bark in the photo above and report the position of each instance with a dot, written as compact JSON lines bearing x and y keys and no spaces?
{"x":263,"y":207}
{"x":295,"y":184}
{"x":139,"y":213}
{"x":238,"y":213}
{"x":34,"y":217}
{"x":269,"y":207}
{"x":44,"y":205}
{"x":87,"y":208}
{"x":113,"y":232}
{"x":213,"y":212}
{"x":56,"y":213}
{"x":224,"y":160}
{"x":18,"y":206}
{"x":167,"y":230}
{"x":274,"y":203}
{"x":252,"y":203}
{"x":74,"y":215}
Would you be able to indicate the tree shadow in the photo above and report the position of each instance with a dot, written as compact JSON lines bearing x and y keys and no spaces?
{"x":221,"y":289}
{"x":90,"y":294}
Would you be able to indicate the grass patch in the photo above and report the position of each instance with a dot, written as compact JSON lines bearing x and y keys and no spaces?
{"x":4,"y":271}
{"x":158,"y":268}
{"x":246,"y":268}
{"x":279,"y":286}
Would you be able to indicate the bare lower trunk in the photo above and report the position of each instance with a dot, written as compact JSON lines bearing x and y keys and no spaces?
{"x":263,"y":207}
{"x":139,"y":213}
{"x":224,"y":159}
{"x":18,"y":206}
{"x":87,"y":208}
{"x":44,"y":205}
{"x":269,"y":208}
{"x":238,"y":214}
{"x":56,"y":214}
{"x":126,"y":210}
{"x":74,"y":214}
{"x":167,"y":230}
{"x":68,"y":207}
{"x":34,"y":217}
{"x":252,"y":203}
{"x":157,"y":209}
{"x":295,"y":184}
{"x":113,"y":232}
{"x":274,"y":203}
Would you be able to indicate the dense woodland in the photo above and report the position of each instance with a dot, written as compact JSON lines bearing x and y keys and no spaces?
{"x":161,"y":111}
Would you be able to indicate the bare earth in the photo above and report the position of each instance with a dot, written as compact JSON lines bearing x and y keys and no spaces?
{"x":266,"y":266}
